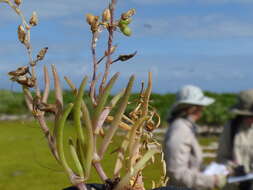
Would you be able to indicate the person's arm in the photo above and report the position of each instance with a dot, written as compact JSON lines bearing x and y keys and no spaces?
{"x":178,"y":151}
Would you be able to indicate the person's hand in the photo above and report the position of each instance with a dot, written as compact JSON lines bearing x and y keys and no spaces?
{"x":220,"y":181}
{"x":231,"y":165}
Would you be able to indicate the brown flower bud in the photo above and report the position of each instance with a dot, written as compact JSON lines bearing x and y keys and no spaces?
{"x":106,"y":15}
{"x":21,"y":34}
{"x":42,"y":54}
{"x":18,"y":2}
{"x":34,"y":19}
{"x":90,"y":18}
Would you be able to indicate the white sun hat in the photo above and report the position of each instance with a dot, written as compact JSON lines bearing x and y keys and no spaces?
{"x":193,"y":95}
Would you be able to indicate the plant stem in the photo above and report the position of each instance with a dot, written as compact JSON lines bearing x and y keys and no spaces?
{"x":110,"y":40}
{"x":95,"y":65}
{"x":28,"y":44}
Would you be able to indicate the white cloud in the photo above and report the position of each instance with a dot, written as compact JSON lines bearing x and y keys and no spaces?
{"x":57,"y":8}
{"x":161,"y":2}
{"x":209,"y":26}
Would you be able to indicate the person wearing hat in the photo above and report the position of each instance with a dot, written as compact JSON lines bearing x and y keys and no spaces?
{"x":236,"y":141}
{"x":182,"y":152}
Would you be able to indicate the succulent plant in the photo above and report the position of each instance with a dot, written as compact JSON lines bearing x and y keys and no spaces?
{"x":138,"y":147}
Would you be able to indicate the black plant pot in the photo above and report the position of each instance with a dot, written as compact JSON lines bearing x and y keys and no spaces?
{"x":89,"y":187}
{"x":102,"y":187}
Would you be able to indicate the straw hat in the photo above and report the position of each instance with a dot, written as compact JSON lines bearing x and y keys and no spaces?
{"x":245,"y":103}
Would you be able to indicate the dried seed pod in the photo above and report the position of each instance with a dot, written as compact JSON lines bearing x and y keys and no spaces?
{"x":47,"y":107}
{"x":34,"y":19}
{"x":16,"y":78}
{"x":17,"y":2}
{"x":125,"y":57}
{"x":94,"y":26}
{"x":112,"y":50}
{"x":42,"y":54}
{"x":21,"y":34}
{"x":24,"y":80}
{"x":19,"y":71}
{"x":128,"y":14}
{"x":106,"y":16}
{"x":30,"y":82}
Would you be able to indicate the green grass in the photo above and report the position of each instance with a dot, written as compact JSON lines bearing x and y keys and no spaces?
{"x":205,"y":141}
{"x":26,"y":162}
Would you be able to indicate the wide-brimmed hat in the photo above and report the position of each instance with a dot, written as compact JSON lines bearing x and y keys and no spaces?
{"x":191,"y":95}
{"x":244,"y":105}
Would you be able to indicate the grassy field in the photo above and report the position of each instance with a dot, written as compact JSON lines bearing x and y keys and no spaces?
{"x":26,"y":163}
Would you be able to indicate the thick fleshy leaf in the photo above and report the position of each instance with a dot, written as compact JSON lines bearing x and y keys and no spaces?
{"x":59,"y":138}
{"x":102,"y":100}
{"x":117,"y":119}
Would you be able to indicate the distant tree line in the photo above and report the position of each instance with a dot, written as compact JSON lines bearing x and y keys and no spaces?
{"x":215,"y":114}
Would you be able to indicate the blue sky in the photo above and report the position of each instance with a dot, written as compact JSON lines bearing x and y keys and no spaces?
{"x":208,"y":43}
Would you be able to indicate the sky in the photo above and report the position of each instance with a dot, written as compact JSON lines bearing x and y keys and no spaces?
{"x":208,"y":43}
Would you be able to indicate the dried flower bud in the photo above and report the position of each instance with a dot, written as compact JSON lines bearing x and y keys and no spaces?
{"x":128,"y":14}
{"x":90,"y":18}
{"x":21,"y":34}
{"x":34,"y":19}
{"x":112,"y":50}
{"x":18,"y":2}
{"x":94,"y":26}
{"x":42,"y":54}
{"x":106,"y":15}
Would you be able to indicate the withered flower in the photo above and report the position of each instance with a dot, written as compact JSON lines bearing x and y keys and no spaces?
{"x":42,"y":54}
{"x":128,"y":14}
{"x":17,"y":2}
{"x":106,"y":16}
{"x":24,"y":80}
{"x":34,"y":19}
{"x":20,"y":71}
{"x":21,"y":34}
